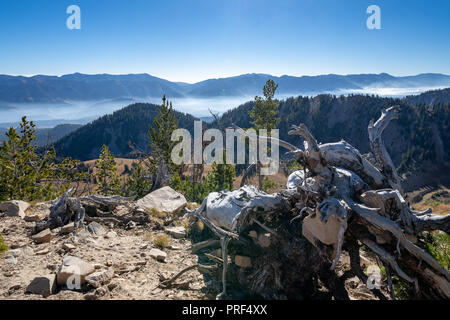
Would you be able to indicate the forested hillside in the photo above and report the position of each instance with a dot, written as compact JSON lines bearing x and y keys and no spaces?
{"x":419,"y":134}
{"x":128,"y":126}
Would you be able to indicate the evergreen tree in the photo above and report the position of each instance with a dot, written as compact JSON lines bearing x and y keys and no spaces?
{"x":137,"y":184}
{"x":222,"y":176}
{"x":161,"y":132}
{"x":264,"y":115}
{"x":24,"y":174}
{"x":106,"y":175}
{"x":264,"y":112}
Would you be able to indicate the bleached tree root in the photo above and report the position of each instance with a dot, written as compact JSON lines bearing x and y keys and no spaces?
{"x":354,"y":199}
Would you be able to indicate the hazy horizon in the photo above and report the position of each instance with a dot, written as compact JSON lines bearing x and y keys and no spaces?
{"x":82,"y":112}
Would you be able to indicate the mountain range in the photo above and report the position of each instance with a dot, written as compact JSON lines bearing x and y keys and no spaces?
{"x":83,"y":87}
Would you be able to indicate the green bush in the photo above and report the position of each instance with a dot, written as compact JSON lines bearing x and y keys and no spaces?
{"x":3,"y":246}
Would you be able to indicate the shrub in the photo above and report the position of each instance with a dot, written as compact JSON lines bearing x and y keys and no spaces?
{"x":3,"y":246}
{"x":162,"y":241}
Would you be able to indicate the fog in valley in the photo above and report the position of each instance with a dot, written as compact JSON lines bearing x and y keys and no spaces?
{"x":81,"y":112}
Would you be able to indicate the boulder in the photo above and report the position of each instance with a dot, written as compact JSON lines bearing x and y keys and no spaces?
{"x":165,"y":200}
{"x":177,"y":232}
{"x":158,"y":254}
{"x":14,"y":208}
{"x":45,"y":285}
{"x":43,"y":236}
{"x":100,"y":278}
{"x":75,"y":269}
{"x":96,"y":229}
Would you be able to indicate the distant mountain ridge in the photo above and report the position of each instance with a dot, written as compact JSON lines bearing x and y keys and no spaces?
{"x":83,"y":87}
{"x":420,"y":134}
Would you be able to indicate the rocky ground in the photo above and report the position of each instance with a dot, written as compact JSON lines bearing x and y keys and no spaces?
{"x":123,"y":263}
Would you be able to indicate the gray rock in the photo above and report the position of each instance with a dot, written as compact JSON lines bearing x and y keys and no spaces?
{"x":75,"y":269}
{"x":10,"y":260}
{"x":100,"y":278}
{"x":45,"y":285}
{"x":43,"y":236}
{"x":96,"y":229}
{"x":14,"y":253}
{"x":158,"y":254}
{"x":14,"y":208}
{"x":165,"y":200}
{"x":177,"y":232}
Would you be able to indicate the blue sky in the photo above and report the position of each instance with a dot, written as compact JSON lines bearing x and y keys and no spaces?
{"x":192,"y":40}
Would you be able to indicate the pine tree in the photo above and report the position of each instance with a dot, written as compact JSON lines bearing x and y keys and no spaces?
{"x":23,"y":173}
{"x":161,"y":133}
{"x":264,"y":115}
{"x":264,"y":112}
{"x":222,"y":176}
{"x":137,"y":184}
{"x":106,"y":175}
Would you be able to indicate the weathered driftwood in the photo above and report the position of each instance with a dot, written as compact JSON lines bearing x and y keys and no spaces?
{"x":66,"y":209}
{"x":340,"y":197}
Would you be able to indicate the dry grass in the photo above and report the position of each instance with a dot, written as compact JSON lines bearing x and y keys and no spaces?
{"x":155,"y":213}
{"x":162,"y":241}
{"x":438,"y":200}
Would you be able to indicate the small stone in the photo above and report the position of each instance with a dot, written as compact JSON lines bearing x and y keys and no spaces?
{"x":100,"y":278}
{"x":242,"y":261}
{"x":18,"y":245}
{"x":33,"y":218}
{"x":177,"y":232}
{"x":143,"y":246}
{"x":27,"y":251}
{"x":14,"y":208}
{"x":73,"y":266}
{"x":96,"y":229}
{"x":253,"y":234}
{"x":45,"y":285}
{"x":158,"y":254}
{"x":172,"y":247}
{"x":264,"y":240}
{"x":10,"y":260}
{"x":14,"y":253}
{"x":43,"y":236}
{"x":110,"y":235}
{"x":130,"y":225}
{"x":42,"y":252}
{"x":68,"y":228}
{"x":68,"y":246}
{"x":56,"y":230}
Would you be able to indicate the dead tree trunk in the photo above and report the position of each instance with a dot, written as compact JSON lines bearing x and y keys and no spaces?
{"x":341,"y":198}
